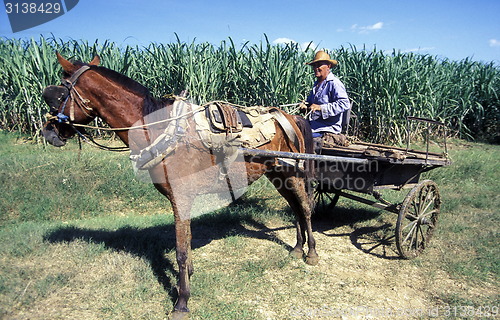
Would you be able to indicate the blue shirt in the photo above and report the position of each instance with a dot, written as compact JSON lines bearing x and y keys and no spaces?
{"x":332,"y":97}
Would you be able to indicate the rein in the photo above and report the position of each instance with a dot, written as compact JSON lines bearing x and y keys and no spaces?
{"x":90,"y":141}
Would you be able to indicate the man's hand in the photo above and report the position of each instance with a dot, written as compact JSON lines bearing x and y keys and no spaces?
{"x":315,"y":107}
{"x":306,"y":107}
{"x":303,"y":106}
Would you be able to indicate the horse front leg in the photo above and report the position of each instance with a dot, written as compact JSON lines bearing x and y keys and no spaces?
{"x":298,"y":250}
{"x":181,"y":205}
{"x":185,"y":264}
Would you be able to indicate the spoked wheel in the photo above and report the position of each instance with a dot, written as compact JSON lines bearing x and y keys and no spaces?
{"x":417,"y":219}
{"x":325,"y":201}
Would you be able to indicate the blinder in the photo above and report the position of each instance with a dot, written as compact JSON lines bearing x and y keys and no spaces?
{"x":55,"y":95}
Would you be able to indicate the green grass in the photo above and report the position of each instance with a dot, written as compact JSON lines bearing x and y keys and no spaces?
{"x":472,"y":190}
{"x":101,"y":244}
{"x":68,"y":184}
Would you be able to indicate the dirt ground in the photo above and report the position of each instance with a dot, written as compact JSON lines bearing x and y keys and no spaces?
{"x":359,"y":276}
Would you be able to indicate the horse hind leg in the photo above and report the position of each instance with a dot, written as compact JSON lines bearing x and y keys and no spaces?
{"x":294,"y":191}
{"x":304,"y":216}
{"x":301,"y":206}
{"x":312,"y":257}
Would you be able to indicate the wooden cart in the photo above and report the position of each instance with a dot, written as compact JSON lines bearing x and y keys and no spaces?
{"x":362,"y":170}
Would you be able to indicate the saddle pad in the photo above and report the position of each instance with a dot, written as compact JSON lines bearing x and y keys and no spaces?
{"x":259,"y":128}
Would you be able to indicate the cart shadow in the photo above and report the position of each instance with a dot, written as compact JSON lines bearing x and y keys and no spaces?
{"x":377,"y":240}
{"x":153,"y":243}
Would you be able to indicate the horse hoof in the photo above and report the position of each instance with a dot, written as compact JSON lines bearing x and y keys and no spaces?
{"x":178,"y":315}
{"x":297,"y":253}
{"x":312,"y":260}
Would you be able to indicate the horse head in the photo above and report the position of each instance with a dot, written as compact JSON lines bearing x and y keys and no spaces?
{"x":67,"y":106}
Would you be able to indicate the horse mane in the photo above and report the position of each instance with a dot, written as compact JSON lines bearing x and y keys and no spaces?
{"x":150,"y":104}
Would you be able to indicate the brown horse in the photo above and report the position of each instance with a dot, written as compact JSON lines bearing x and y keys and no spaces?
{"x":89,"y":91}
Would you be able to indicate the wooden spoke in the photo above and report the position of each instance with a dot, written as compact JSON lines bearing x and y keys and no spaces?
{"x":417,"y":219}
{"x":325,"y":201}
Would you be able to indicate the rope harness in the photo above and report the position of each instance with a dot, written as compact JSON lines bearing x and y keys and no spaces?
{"x":166,"y":142}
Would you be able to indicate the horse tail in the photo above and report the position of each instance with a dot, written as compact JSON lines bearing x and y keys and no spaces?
{"x":306,"y":131}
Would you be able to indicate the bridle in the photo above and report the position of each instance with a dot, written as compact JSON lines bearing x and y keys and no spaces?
{"x":70,"y":90}
{"x":69,"y":84}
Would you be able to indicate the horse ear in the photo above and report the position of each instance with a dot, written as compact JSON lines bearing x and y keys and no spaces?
{"x":95,"y":61}
{"x":65,"y":64}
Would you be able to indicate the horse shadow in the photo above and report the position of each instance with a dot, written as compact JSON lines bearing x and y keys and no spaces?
{"x":377,"y":240}
{"x":153,"y":243}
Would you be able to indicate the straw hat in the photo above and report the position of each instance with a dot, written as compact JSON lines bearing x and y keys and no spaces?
{"x":323,"y":56}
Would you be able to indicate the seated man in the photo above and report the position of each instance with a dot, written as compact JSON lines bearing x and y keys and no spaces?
{"x":326,"y":103}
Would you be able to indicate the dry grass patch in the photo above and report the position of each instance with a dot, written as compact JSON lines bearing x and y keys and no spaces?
{"x":79,"y":280}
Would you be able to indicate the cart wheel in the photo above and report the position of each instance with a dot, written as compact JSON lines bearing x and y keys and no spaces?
{"x":325,"y":201}
{"x":417,"y":219}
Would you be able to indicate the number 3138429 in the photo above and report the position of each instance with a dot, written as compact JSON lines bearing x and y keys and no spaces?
{"x":471,"y":311}
{"x":31,"y":7}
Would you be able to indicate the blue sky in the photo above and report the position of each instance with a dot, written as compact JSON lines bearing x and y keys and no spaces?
{"x":453,"y":29}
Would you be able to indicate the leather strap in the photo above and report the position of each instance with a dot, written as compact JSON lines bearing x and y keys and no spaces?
{"x":287,"y":127}
{"x":77,"y":74}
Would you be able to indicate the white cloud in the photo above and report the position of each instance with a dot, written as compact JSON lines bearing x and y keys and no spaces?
{"x":367,"y":29}
{"x":418,"y":49}
{"x":494,"y":43}
{"x":376,"y":26}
